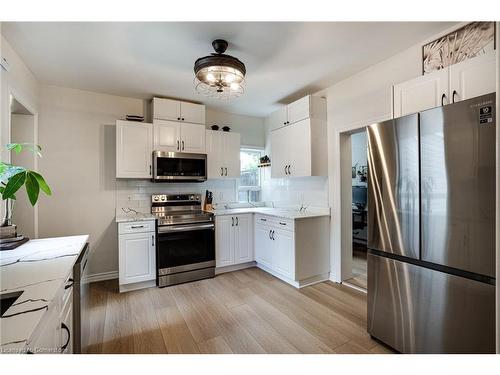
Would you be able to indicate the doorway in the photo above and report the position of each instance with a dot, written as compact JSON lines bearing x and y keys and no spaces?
{"x":359,"y":210}
{"x":22,"y":130}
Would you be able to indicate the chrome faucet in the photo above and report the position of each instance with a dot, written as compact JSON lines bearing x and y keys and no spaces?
{"x":302,"y":208}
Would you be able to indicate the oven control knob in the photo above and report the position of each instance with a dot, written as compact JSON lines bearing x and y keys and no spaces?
{"x":191,"y":197}
{"x":163,"y":198}
{"x":155,"y":198}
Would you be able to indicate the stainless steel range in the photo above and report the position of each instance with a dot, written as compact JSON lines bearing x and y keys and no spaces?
{"x":185,"y":246}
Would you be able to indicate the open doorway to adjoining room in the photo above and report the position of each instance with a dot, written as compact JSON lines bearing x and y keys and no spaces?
{"x":359,"y":209}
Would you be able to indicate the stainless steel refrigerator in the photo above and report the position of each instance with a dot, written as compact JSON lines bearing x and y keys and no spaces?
{"x":431,"y":229}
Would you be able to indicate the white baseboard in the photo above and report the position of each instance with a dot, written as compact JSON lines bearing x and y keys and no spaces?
{"x":101,"y":276}
{"x":136,"y":286}
{"x":234,"y":267}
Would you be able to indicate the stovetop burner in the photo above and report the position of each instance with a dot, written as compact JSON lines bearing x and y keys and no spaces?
{"x":176,"y":209}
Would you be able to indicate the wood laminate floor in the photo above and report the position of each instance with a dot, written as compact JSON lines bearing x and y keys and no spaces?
{"x":246,"y":311}
{"x":359,"y":268}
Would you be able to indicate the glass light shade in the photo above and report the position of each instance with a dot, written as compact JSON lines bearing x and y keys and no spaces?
{"x":221,"y":82}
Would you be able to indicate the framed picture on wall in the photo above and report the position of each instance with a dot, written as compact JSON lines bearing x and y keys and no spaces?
{"x":471,"y":40}
{"x":353,"y":172}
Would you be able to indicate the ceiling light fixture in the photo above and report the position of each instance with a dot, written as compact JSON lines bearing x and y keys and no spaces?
{"x":218,"y":75}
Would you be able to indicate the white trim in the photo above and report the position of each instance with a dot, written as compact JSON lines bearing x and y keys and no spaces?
{"x":136,"y":286}
{"x":234,"y":267}
{"x":355,"y":287}
{"x":297,"y":284}
{"x":101,"y":276}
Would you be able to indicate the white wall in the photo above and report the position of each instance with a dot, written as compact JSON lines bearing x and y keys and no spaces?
{"x":252,"y":129}
{"x":77,"y":134}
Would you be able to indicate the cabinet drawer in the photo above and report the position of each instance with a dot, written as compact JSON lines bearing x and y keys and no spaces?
{"x":136,"y":227}
{"x":275,"y":222}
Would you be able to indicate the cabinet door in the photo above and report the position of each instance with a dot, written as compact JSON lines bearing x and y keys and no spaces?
{"x":298,"y":141}
{"x":166,"y":109}
{"x":224,"y":241}
{"x":231,"y":155}
{"x":298,"y":110}
{"x":48,"y":340}
{"x":473,"y":77}
{"x":193,"y":138}
{"x":136,"y":257}
{"x":243,"y":239}
{"x":194,"y":113}
{"x":421,"y":93}
{"x":279,"y":153}
{"x":134,"y":147}
{"x":283,"y":259}
{"x":67,"y":326}
{"x":214,"y":145}
{"x":277,"y":119}
{"x":263,"y":249}
{"x":167,"y":135}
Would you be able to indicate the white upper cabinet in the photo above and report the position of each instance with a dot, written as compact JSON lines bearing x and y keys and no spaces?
{"x":167,"y":135}
{"x":299,"y":110}
{"x":166,"y":109}
{"x":299,"y":150}
{"x":176,"y":110}
{"x":193,"y":138}
{"x":134,"y":147}
{"x":194,"y":113}
{"x":223,"y":154}
{"x":178,"y":137}
{"x":473,"y":77}
{"x":468,"y":79}
{"x":421,"y":93}
{"x":307,"y":107}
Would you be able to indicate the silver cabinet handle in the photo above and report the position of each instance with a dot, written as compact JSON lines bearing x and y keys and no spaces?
{"x":285,"y":170}
{"x":226,"y":170}
{"x":282,"y":223}
{"x":182,"y":145}
{"x":261,"y":219}
{"x":443,"y":97}
{"x":65,"y":327}
{"x":221,"y":171}
{"x":232,"y":221}
{"x":178,"y":146}
{"x":153,"y":239}
{"x":185,"y":228}
{"x":289,"y":169}
{"x":137,"y":226}
{"x":453,"y":96}
{"x":270,"y":235}
{"x":237,"y":221}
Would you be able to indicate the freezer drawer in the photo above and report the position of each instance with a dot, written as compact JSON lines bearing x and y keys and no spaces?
{"x":457,"y":146}
{"x":393,"y":186}
{"x":419,"y":310}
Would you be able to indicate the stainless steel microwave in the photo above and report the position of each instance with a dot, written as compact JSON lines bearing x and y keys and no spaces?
{"x":179,"y":167}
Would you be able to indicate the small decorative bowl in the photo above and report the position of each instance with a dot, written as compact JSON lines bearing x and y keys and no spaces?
{"x":226,"y":128}
{"x":215,"y":127}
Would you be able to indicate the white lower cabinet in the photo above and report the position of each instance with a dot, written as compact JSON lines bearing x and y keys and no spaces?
{"x":137,"y":255}
{"x":233,"y":239}
{"x":296,"y":251}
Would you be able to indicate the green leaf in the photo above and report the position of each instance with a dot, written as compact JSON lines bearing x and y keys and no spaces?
{"x":32,"y":188}
{"x":15,"y":182}
{"x":41,"y":181}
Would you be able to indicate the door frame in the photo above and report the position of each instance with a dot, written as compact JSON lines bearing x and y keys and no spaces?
{"x":340,"y":186}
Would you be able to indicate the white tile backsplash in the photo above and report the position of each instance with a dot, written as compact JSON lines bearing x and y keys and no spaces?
{"x":309,"y":191}
{"x":136,"y":194}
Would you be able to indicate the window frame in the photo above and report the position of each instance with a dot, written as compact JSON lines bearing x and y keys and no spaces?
{"x":247,"y":189}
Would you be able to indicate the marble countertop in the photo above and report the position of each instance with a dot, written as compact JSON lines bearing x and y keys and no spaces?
{"x":38,"y":268}
{"x":286,"y":213}
{"x":124,"y":218}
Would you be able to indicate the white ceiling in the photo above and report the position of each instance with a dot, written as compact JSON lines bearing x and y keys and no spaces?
{"x":284,"y":60}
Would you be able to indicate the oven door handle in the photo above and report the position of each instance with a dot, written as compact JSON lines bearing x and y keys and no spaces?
{"x":185,"y":228}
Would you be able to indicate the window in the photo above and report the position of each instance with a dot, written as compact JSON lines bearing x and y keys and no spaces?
{"x":249,"y":190}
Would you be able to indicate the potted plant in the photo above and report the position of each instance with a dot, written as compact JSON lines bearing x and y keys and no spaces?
{"x":12,"y":178}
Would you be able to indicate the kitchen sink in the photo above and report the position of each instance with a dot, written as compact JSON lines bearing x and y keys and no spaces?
{"x":7,"y":300}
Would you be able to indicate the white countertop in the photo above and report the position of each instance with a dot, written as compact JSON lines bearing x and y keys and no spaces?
{"x":38,"y":268}
{"x":124,"y":218}
{"x":286,"y":213}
